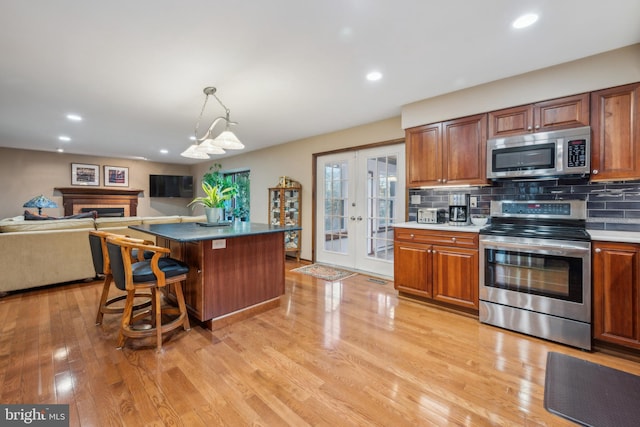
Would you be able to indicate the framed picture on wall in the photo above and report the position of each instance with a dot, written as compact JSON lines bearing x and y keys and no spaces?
{"x":115,"y":176}
{"x":82,"y":174}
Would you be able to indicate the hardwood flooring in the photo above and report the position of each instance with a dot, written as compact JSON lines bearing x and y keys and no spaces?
{"x":347,"y":353}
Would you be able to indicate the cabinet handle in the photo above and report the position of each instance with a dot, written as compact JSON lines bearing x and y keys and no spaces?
{"x":444,"y":180}
{"x":428,"y":251}
{"x":453,"y":239}
{"x":537,"y":126}
{"x":359,"y":218}
{"x":598,"y":250}
{"x":595,"y":171}
{"x":353,"y":218}
{"x":529,"y":128}
{"x":412,"y":236}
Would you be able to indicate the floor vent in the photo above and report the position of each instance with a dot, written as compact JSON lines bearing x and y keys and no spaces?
{"x":378,"y":281}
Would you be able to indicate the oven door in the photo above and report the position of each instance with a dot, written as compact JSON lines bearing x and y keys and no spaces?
{"x":541,"y":275}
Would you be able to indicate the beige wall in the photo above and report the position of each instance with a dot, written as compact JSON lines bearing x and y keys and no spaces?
{"x":25,"y":174}
{"x":613,"y":68}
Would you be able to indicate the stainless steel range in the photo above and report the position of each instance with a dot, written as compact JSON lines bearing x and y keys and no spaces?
{"x":535,"y":270}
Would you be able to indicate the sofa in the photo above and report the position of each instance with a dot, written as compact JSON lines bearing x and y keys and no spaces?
{"x":38,"y":253}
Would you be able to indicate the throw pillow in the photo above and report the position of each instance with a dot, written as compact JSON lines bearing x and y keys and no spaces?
{"x":32,"y":216}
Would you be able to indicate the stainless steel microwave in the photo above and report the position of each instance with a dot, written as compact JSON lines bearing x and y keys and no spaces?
{"x":540,"y":155}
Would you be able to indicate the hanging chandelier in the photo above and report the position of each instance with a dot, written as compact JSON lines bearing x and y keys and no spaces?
{"x":208,"y":144}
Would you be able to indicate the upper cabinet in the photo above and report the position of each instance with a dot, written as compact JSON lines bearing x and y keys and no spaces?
{"x":561,"y":113}
{"x":448,"y":153}
{"x":615,"y":141}
{"x":424,"y":155}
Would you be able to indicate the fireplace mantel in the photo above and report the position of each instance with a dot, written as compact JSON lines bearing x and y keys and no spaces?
{"x":76,"y":198}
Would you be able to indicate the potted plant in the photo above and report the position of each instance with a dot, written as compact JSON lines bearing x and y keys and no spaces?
{"x":218,"y":189}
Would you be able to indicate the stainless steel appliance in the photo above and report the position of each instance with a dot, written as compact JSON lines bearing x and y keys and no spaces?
{"x":560,"y":153}
{"x":459,"y":210}
{"x":431,"y":216}
{"x":535,"y":270}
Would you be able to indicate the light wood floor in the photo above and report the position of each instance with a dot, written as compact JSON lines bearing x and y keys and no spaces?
{"x":347,"y":353}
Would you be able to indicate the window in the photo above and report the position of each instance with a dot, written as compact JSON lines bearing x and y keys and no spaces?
{"x":240,"y":203}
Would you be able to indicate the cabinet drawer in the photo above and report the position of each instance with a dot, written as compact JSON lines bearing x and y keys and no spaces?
{"x":437,"y":237}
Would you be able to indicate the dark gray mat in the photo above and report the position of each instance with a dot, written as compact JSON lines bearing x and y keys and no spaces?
{"x":591,"y":394}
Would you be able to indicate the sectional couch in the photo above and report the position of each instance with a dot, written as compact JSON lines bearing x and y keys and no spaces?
{"x":39,"y":253}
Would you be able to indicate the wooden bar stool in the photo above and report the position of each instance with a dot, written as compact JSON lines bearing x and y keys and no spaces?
{"x":153,"y":274}
{"x":100,"y":257}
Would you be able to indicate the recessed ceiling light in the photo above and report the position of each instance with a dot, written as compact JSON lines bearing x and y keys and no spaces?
{"x":64,"y":138}
{"x":74,"y":117}
{"x":525,"y":20}
{"x":164,"y":151}
{"x":374,"y":76}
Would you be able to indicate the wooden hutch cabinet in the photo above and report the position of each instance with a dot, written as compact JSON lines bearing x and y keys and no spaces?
{"x":560,"y":113}
{"x":616,"y":293}
{"x":285,"y":202}
{"x":438,"y":265}
{"x":615,"y":141}
{"x":447,"y":153}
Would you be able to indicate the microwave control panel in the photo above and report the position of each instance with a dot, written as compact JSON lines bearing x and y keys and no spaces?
{"x":577,"y":153}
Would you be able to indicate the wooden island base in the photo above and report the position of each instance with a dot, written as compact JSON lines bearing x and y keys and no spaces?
{"x":234,"y":274}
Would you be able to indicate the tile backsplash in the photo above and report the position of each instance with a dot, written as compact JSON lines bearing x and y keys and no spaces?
{"x":610,"y":206}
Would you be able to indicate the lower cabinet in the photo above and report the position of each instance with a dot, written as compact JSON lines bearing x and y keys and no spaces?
{"x":438,"y":265}
{"x":616,"y":293}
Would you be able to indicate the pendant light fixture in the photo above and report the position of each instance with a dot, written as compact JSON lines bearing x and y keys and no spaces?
{"x":207,"y":144}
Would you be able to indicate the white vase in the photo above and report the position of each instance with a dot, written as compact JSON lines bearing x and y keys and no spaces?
{"x":213,"y":214}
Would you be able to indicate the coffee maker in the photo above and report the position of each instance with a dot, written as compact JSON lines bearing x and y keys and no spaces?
{"x":459,"y":211}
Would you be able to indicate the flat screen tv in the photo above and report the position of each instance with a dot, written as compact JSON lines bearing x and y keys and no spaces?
{"x":170,"y":186}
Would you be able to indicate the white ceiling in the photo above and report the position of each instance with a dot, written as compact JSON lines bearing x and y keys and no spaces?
{"x":287,"y":69}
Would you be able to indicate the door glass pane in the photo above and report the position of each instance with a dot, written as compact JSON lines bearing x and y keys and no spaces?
{"x":335,"y":207}
{"x":381,"y":206}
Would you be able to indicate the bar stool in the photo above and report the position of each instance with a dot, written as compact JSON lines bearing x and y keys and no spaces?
{"x":153,"y":274}
{"x":100,"y":257}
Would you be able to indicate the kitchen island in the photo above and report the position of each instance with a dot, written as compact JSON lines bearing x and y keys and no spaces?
{"x":235,"y":272}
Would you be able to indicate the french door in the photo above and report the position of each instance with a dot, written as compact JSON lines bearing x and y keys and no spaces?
{"x":360,"y":195}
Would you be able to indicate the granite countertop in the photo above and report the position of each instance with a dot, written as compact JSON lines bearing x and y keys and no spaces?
{"x":442,"y":227}
{"x":602,"y":235}
{"x":615,"y":236}
{"x":194,"y":232}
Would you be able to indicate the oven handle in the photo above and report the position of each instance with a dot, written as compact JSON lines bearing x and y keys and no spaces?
{"x":560,"y":249}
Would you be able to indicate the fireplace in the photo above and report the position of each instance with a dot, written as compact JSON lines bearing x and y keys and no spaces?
{"x":82,"y":199}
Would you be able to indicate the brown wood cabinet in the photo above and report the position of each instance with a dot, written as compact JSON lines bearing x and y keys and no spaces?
{"x":616,"y":293}
{"x":447,"y":153}
{"x":438,"y":265}
{"x":424,"y":158}
{"x":615,"y":143}
{"x":560,"y":113}
{"x":285,"y":203}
